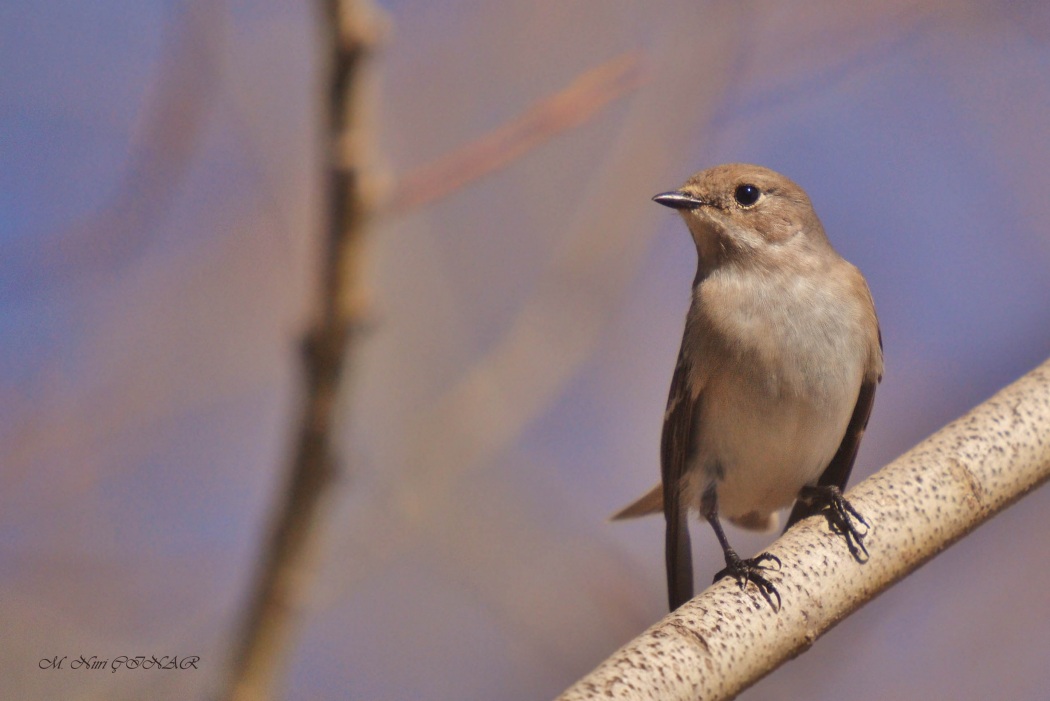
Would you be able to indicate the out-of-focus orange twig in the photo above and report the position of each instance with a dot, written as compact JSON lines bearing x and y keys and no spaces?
{"x":578,"y":102}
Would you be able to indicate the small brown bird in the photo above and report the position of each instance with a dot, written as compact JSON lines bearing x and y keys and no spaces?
{"x":775,"y":378}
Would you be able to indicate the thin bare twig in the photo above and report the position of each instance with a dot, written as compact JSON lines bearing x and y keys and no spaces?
{"x":577,"y":103}
{"x":351,"y":30}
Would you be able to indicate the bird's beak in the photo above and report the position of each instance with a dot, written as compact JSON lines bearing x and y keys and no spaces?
{"x":678,"y":200}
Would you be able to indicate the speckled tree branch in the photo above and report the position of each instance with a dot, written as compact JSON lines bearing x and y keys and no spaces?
{"x":350,"y":30}
{"x":725,"y":639}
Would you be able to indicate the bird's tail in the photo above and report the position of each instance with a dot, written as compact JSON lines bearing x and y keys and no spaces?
{"x":679,"y":555}
{"x":651,"y":503}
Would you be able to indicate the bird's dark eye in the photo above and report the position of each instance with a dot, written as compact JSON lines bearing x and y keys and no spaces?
{"x":747,"y":195}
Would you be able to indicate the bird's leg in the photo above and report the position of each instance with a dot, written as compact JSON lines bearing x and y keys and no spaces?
{"x":841,"y":516}
{"x":743,"y":571}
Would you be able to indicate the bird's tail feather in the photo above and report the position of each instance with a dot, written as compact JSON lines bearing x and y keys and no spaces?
{"x":679,"y":555}
{"x":651,"y":503}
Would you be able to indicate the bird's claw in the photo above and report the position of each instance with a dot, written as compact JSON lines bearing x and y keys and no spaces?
{"x":744,"y":571}
{"x":841,"y":517}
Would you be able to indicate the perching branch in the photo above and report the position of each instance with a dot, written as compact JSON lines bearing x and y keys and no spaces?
{"x":725,"y":640}
{"x":351,"y":29}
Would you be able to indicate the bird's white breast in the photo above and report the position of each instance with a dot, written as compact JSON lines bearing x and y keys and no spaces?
{"x":775,"y":408}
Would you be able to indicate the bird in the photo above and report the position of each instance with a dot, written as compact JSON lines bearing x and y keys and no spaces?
{"x":775,"y":378}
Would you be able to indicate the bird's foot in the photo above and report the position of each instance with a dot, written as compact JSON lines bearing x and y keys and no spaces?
{"x":744,"y":571}
{"x":841,"y":517}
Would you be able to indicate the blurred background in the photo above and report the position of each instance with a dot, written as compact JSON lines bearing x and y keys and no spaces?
{"x":159,"y":248}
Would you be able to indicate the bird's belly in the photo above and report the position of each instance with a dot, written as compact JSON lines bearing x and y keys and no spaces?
{"x":761,"y":450}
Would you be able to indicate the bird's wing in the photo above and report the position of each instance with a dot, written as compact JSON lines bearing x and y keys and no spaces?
{"x":676,"y":448}
{"x":838,"y":470}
